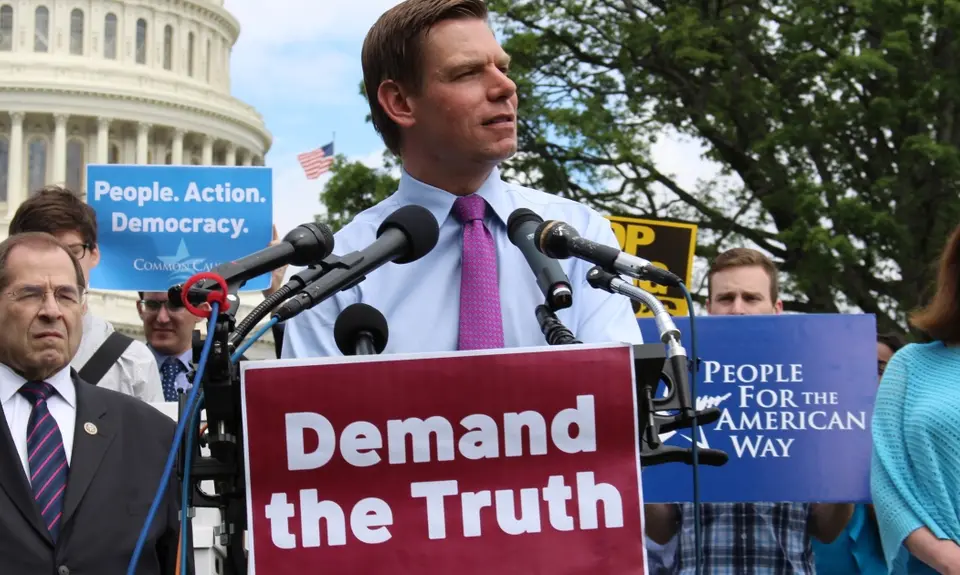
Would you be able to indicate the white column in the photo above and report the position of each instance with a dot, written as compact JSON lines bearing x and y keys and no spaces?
{"x":15,"y":164}
{"x":60,"y":149}
{"x":103,"y":140}
{"x":207,"y":151}
{"x":177,"y":147}
{"x":231,"y":154}
{"x":143,"y":130}
{"x":248,"y":158}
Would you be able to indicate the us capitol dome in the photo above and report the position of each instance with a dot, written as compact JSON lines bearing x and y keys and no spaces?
{"x":119,"y":82}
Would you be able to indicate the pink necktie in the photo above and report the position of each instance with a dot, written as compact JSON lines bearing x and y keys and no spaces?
{"x":481,"y":325}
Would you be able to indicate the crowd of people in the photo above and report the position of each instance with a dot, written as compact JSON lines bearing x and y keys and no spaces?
{"x":83,"y":451}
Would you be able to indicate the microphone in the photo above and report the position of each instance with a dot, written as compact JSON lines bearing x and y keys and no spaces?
{"x":406,"y":235}
{"x":303,"y":245}
{"x":360,"y":330}
{"x":599,"y":278}
{"x":560,"y":240}
{"x":521,"y":227}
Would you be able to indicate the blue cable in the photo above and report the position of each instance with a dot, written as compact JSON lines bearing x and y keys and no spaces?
{"x":696,"y":460}
{"x":172,"y":456}
{"x":257,"y":335}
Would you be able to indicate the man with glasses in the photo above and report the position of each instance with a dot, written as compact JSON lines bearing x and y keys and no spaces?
{"x":105,"y":357}
{"x":168,"y":327}
{"x":78,"y":463}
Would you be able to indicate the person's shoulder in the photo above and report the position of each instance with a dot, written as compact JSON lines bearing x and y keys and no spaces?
{"x":918,"y":357}
{"x":362,"y":229}
{"x":138,"y":352}
{"x":553,"y":207}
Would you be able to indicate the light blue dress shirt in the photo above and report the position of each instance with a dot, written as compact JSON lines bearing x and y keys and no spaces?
{"x":421,"y":299}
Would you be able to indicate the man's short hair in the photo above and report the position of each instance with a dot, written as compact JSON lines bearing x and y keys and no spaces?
{"x":393,"y":50}
{"x":37,"y":240}
{"x":742,"y":258}
{"x":56,"y":210}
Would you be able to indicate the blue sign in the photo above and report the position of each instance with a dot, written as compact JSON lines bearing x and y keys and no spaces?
{"x":160,"y":225}
{"x":796,"y":396}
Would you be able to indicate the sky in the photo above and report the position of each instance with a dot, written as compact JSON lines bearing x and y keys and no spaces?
{"x":298,"y":64}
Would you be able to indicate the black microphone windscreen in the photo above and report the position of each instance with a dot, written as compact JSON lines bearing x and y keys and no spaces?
{"x":420,"y":228}
{"x":311,"y":243}
{"x":357,"y":318}
{"x":519,"y":217}
{"x":551,"y":238}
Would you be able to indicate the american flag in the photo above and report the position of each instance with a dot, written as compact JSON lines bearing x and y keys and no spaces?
{"x":317,"y":161}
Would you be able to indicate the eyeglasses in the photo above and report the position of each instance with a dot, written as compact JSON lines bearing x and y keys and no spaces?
{"x":154,"y":305}
{"x":66,"y":296}
{"x":79,"y":250}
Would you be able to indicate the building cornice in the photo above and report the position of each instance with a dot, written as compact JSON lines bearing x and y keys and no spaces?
{"x":236,"y":128}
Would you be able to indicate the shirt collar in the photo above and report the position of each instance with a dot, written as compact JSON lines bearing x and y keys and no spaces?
{"x":186,"y":358}
{"x":11,"y":382}
{"x":440,"y":202}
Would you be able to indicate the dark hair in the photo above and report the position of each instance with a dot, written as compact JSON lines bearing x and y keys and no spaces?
{"x":56,"y":210}
{"x":940,"y":319}
{"x":393,"y":47}
{"x":892,"y":339}
{"x":746,"y":257}
{"x":36,"y":240}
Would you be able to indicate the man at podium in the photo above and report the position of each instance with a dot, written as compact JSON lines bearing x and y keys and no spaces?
{"x":442,"y":99}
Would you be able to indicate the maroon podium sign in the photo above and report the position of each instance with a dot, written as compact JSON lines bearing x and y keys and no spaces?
{"x":508,"y":462}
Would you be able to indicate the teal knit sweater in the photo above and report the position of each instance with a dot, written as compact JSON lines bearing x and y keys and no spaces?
{"x":915,"y":476}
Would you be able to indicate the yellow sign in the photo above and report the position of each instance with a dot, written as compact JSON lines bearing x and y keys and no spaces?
{"x":669,"y":245}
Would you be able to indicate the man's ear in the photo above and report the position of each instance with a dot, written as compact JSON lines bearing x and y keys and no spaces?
{"x":395,"y":102}
{"x":94,"y":256}
{"x":205,"y":307}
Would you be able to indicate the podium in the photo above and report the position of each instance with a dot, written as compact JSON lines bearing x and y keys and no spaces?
{"x":208,"y":553}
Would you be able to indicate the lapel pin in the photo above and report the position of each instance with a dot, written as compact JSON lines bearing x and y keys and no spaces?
{"x":90,"y":428}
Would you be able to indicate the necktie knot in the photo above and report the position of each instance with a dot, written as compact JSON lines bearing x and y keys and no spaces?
{"x":36,"y":391}
{"x":173,"y":364}
{"x":469,"y":208}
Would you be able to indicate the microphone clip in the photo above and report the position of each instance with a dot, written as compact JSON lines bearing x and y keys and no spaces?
{"x":651,"y":368}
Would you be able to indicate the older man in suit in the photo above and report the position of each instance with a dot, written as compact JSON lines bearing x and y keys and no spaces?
{"x":79,"y":464}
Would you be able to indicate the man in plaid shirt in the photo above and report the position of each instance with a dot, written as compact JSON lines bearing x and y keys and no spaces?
{"x":746,"y":538}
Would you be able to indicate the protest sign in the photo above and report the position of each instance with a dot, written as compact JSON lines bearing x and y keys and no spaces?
{"x":159,"y":225}
{"x":796,"y":394}
{"x":666,"y":244}
{"x":502,"y":461}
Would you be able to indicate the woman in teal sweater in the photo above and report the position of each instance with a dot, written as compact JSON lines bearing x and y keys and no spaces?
{"x":915,"y":476}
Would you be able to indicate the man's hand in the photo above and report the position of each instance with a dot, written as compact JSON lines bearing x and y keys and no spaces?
{"x":276,"y":277}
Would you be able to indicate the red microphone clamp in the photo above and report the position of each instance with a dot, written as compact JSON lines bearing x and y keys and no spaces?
{"x":219,"y":297}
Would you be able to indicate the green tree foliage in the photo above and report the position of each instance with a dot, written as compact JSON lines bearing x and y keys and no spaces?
{"x":354,"y":187}
{"x":838,"y":123}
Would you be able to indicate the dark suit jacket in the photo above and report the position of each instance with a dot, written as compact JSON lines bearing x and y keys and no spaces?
{"x":113,"y":477}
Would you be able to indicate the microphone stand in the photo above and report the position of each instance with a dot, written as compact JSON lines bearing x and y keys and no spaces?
{"x":651,"y":367}
{"x":220,"y":385}
{"x":220,"y":388}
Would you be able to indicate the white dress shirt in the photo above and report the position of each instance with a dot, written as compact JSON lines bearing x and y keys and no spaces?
{"x":421,"y":299}
{"x":17,"y":409}
{"x":135,"y":373}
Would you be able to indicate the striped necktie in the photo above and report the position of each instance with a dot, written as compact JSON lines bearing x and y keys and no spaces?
{"x":46,"y":455}
{"x":481,"y":323}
